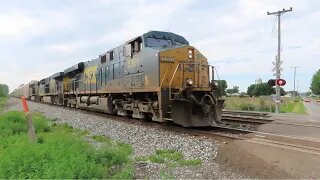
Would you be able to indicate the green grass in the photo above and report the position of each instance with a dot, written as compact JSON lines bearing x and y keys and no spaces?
{"x":171,"y":159}
{"x":60,"y":152}
{"x":99,"y":138}
{"x":294,"y":107}
{"x":264,"y":104}
{"x":3,"y":100}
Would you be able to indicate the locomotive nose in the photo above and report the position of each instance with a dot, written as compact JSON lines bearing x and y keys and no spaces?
{"x":187,"y":78}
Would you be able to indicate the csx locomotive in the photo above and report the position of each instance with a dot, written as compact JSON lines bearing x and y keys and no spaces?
{"x":157,"y":75}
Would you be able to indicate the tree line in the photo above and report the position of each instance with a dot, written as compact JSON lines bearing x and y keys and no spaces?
{"x":315,"y":83}
{"x":263,"y":89}
{"x":4,"y":90}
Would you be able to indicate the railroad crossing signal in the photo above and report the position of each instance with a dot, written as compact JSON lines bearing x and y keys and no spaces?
{"x":278,"y":62}
{"x":281,"y":82}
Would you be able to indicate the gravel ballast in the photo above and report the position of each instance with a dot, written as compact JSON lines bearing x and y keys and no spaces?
{"x":144,"y":139}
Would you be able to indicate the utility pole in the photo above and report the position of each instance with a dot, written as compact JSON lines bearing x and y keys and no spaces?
{"x":278,"y":61}
{"x":294,"y":80}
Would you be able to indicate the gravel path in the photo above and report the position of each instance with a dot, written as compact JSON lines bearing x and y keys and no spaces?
{"x":144,"y":140}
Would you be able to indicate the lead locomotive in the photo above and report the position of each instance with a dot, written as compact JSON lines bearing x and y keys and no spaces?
{"x":156,"y":75}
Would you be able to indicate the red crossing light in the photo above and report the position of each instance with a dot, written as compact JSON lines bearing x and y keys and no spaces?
{"x":281,"y":82}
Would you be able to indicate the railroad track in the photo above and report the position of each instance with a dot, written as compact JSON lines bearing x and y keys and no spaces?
{"x":262,"y":138}
{"x":247,"y":113}
{"x":257,"y":118}
{"x":245,"y":119}
{"x":296,"y":143}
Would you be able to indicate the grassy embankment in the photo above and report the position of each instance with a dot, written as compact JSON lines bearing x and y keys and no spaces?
{"x":264,"y":104}
{"x":60,"y":152}
{"x":294,"y":107}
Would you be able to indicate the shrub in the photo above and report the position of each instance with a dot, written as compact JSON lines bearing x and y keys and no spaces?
{"x":246,"y":107}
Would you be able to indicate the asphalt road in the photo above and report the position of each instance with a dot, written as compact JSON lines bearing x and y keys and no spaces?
{"x":313,"y":108}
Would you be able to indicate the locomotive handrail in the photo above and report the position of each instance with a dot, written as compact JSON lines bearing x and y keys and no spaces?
{"x":183,"y":63}
{"x":165,"y":73}
{"x":175,"y":71}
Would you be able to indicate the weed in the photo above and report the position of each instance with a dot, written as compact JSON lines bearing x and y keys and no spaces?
{"x":66,"y":126}
{"x":100,"y":138}
{"x":170,"y":157}
{"x":83,"y":133}
{"x":59,"y":153}
{"x":262,"y":102}
{"x":166,"y":175}
{"x":292,"y":106}
{"x":40,"y":139}
{"x":190,"y":162}
{"x":141,"y":158}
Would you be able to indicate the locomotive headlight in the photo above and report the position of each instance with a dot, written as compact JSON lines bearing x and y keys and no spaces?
{"x":215,"y":83}
{"x":190,"y":53}
{"x":189,"y":82}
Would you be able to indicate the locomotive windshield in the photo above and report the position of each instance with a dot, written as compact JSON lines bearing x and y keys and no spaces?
{"x":155,"y":42}
{"x":162,"y":43}
{"x":157,"y":39}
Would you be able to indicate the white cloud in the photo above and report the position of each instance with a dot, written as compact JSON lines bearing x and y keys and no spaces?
{"x":66,"y":48}
{"x":235,"y":36}
{"x":14,"y":25}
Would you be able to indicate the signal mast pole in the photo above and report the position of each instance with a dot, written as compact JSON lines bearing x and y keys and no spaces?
{"x":294,"y":80}
{"x":278,"y":62}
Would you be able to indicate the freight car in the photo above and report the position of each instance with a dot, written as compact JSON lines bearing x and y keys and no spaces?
{"x":157,"y":75}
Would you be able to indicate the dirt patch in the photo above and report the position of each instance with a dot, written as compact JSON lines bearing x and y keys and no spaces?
{"x":233,"y":156}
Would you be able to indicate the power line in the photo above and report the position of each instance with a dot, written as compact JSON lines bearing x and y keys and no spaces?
{"x":278,"y":61}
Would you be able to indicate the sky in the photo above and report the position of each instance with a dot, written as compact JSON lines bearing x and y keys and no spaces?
{"x":39,"y":38}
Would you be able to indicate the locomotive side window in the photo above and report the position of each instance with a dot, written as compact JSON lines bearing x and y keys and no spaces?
{"x":103,"y":59}
{"x":134,"y":47}
{"x":111,"y":55}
